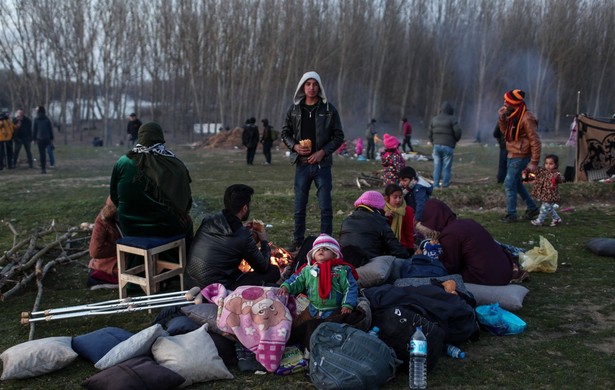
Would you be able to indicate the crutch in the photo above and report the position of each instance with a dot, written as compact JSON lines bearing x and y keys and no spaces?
{"x":115,"y":306}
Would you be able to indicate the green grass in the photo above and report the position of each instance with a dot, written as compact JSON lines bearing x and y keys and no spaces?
{"x":570,"y":338}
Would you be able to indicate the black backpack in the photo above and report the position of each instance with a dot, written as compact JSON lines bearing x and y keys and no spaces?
{"x":343,"y":357}
{"x":398,"y":323}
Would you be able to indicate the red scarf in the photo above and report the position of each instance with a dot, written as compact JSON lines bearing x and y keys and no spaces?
{"x":514,"y":119}
{"x":324,"y":275}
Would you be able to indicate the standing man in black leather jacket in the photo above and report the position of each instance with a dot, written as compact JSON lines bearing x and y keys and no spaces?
{"x":312,"y":117}
{"x":222,"y":241}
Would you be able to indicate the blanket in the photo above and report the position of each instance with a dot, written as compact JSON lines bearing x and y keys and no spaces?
{"x":257,"y":317}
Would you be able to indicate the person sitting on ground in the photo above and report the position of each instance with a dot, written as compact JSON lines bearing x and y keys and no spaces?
{"x":150,"y":187}
{"x":468,"y":248}
{"x":416,"y":191}
{"x":367,"y":229}
{"x":103,"y":265}
{"x":399,"y":216}
{"x":222,"y":241}
{"x":392,"y":161}
{"x":329,"y":283}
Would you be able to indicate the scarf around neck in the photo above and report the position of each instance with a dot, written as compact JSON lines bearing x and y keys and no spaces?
{"x":397,"y":218}
{"x":324,"y":275}
{"x":514,"y":119}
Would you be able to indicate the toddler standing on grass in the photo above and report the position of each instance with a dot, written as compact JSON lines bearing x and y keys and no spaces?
{"x":392,"y":160}
{"x":546,"y":190}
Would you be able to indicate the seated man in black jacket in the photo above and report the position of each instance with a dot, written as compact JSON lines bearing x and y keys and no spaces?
{"x":222,"y":241}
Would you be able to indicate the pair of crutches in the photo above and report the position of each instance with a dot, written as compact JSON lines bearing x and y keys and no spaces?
{"x":124,"y":305}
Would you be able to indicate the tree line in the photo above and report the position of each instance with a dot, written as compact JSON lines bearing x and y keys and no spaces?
{"x":222,"y":61}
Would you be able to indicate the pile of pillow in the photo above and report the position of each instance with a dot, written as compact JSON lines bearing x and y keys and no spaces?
{"x":151,"y":358}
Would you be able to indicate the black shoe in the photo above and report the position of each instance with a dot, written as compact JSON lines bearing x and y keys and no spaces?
{"x":531,"y":214}
{"x":509,"y":218}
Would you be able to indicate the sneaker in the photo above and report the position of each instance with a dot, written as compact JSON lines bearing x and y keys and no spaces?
{"x":556,"y":222}
{"x":536,"y":222}
{"x":531,"y":213}
{"x":508,"y":218}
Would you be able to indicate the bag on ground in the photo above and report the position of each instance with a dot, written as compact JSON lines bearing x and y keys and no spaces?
{"x":342,"y":357}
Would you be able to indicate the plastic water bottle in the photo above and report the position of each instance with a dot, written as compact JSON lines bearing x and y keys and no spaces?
{"x":374,"y":331}
{"x":418,"y":360}
{"x":454,"y":352}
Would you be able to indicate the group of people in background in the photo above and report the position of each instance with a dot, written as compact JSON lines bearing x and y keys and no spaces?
{"x":250,"y":138}
{"x":21,"y":131}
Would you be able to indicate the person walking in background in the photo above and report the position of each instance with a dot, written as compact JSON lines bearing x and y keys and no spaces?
{"x":132,"y":129}
{"x":520,"y":129}
{"x":392,"y":161}
{"x":370,"y":135}
{"x":249,"y":138}
{"x":497,"y":134}
{"x":546,"y":190}
{"x":7,"y":129}
{"x":444,"y":133}
{"x":313,"y":132}
{"x":22,"y":137}
{"x":42,"y":132}
{"x":406,"y":129}
{"x":267,"y":140}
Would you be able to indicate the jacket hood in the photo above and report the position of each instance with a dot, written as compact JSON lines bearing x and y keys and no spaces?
{"x":300,"y":94}
{"x":447,"y":108}
{"x":423,"y":182}
{"x":437,"y":214}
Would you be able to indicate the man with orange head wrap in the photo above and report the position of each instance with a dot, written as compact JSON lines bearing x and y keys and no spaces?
{"x":520,"y":129}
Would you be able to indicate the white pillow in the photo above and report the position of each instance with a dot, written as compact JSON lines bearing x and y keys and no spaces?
{"x":37,"y":357}
{"x":510,"y":297}
{"x":376,"y":272}
{"x":192,"y":355}
{"x":138,"y":344}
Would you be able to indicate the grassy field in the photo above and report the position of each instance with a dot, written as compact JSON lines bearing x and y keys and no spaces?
{"x":570,"y":338}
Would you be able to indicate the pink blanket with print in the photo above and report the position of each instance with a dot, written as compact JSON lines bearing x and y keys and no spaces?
{"x":259,"y":319}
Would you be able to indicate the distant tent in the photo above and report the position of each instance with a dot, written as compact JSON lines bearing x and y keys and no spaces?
{"x":595,"y":149}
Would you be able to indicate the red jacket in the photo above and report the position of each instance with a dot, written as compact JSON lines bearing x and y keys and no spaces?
{"x":102,"y":246}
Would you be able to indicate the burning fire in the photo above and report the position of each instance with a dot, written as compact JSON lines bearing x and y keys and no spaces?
{"x":279,"y":256}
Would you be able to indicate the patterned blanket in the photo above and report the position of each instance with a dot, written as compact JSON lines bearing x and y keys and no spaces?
{"x":259,"y":319}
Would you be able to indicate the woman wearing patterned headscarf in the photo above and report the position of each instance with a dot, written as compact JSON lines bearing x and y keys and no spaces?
{"x":151,"y":188}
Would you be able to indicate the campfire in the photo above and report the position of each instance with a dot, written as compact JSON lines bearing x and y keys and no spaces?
{"x":279,"y":256}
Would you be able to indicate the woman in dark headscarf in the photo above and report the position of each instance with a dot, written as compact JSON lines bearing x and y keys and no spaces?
{"x":151,"y":188}
{"x":467,"y":247}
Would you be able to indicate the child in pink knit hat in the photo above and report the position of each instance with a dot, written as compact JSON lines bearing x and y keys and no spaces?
{"x":392,"y":160}
{"x":328,"y":281}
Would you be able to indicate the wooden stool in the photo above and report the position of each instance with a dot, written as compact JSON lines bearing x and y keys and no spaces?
{"x":153,"y":268}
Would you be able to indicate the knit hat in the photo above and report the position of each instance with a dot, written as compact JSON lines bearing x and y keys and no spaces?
{"x":373,"y":199}
{"x":150,"y":134}
{"x":514,"y":97}
{"x":325,"y":240}
{"x":390,"y":142}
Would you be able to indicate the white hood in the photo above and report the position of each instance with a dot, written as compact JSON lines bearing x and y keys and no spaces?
{"x":300,"y":94}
